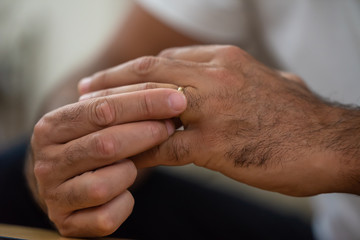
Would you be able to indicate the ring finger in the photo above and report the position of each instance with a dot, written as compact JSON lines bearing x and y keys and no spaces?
{"x":126,"y":89}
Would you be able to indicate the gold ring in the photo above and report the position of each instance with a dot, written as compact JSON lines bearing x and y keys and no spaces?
{"x":181,"y":89}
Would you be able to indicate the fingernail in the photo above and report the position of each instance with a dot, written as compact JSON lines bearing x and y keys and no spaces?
{"x":170,"y":127}
{"x":177,"y":101}
{"x":84,"y":85}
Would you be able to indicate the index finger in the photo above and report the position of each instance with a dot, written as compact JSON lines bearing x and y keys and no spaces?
{"x":78,"y":119}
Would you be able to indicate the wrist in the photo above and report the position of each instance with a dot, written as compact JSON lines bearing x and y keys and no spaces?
{"x":340,"y":149}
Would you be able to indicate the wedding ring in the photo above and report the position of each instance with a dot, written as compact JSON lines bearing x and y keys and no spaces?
{"x":181,"y":89}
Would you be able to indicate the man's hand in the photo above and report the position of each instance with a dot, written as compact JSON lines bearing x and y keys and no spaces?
{"x":78,"y":169}
{"x":254,"y":124}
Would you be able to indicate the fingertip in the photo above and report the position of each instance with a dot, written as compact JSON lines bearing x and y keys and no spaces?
{"x":131,"y":168}
{"x":84,"y":85}
{"x":177,"y":101}
{"x":170,"y":126}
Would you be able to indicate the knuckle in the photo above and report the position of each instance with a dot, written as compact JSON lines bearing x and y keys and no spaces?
{"x":40,"y":127}
{"x":97,"y":191}
{"x":296,"y":78}
{"x":103,"y":145}
{"x":230,"y":49}
{"x":65,"y":229}
{"x":69,"y":113}
{"x":167,"y":52}
{"x":131,"y":169}
{"x":232,"y":54}
{"x":157,"y":131}
{"x":292,"y":77}
{"x":146,"y":107}
{"x":144,"y":65}
{"x":102,"y":112}
{"x":129,"y":199}
{"x":149,"y":85}
{"x":72,"y":153}
{"x":42,"y":170}
{"x":102,"y":93}
{"x":221,"y":73}
{"x":105,"y":92}
{"x":54,"y":217}
{"x":105,"y":223}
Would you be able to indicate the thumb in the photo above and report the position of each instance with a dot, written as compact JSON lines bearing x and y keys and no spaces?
{"x":293,"y":77}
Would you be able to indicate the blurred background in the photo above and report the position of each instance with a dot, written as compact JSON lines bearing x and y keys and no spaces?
{"x":43,"y":41}
{"x":40,"y":42}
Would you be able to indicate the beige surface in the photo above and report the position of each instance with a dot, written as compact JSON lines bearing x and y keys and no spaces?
{"x":33,"y":233}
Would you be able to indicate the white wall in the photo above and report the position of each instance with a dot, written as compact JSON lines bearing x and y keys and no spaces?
{"x":40,"y":42}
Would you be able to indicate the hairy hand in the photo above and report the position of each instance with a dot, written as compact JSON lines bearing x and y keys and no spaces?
{"x":79,"y":152}
{"x":259,"y":126}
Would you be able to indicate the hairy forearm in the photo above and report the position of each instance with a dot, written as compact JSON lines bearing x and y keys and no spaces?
{"x":329,"y":144}
{"x":342,"y":143}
